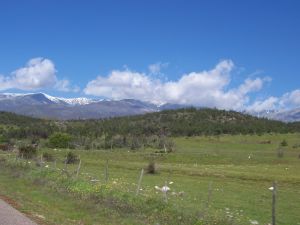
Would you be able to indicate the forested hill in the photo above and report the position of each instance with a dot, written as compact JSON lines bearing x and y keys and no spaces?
{"x":181,"y":122}
{"x":18,"y":126}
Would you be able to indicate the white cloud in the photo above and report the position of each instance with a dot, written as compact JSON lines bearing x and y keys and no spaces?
{"x":37,"y":74}
{"x":123,"y":84}
{"x":206,"y":88}
{"x":156,"y":68}
{"x":290,"y":99}
{"x":65,"y":86}
{"x":270,"y":103}
{"x":250,"y":85}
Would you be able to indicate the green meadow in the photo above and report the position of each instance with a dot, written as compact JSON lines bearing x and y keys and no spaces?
{"x":212,"y":179}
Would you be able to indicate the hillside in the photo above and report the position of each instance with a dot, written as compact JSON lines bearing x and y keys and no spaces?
{"x":180,"y":122}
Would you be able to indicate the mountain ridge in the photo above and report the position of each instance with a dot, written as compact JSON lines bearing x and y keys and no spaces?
{"x":42,"y":105}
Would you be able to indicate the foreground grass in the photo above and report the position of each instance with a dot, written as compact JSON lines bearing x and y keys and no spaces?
{"x":240,"y":169}
{"x":47,"y":206}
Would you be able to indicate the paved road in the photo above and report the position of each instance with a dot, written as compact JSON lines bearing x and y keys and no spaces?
{"x":10,"y":216}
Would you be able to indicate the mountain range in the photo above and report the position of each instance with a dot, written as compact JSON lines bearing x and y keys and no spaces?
{"x":45,"y":106}
{"x":42,"y":105}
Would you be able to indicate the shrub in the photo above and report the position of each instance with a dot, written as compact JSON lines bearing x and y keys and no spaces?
{"x":151,"y":168}
{"x":27,"y":151}
{"x":71,"y":158}
{"x":3,"y":139}
{"x":47,"y":156}
{"x":284,"y":143}
{"x":60,"y":140}
{"x":6,"y":147}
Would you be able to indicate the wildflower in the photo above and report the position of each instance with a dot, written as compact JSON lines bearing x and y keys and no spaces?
{"x":171,"y":182}
{"x":163,"y":189}
{"x":271,"y":188}
{"x":254,"y":222}
{"x":47,"y":166}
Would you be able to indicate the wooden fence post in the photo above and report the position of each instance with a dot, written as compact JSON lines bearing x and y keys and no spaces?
{"x":274,"y":193}
{"x":106,"y":172}
{"x":139,"y":182}
{"x":78,"y":168}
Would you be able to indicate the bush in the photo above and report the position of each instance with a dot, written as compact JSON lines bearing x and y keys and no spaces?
{"x":151,"y":168}
{"x":284,"y":143}
{"x":3,"y":139}
{"x":6,"y":147}
{"x":60,"y":140}
{"x":71,"y":158}
{"x":47,"y":156}
{"x":27,"y":151}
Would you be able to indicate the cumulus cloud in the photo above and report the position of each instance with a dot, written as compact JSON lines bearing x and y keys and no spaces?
{"x":38,"y":73}
{"x":287,"y":101}
{"x":205,"y":88}
{"x":270,"y":103}
{"x":290,"y":99}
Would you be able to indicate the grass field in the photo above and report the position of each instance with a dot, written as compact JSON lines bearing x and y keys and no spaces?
{"x":238,"y":169}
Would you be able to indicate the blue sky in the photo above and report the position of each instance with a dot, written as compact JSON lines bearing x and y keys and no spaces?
{"x":225,"y":54}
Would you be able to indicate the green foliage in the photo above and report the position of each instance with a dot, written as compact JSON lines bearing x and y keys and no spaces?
{"x":27,"y":151}
{"x":71,"y":158}
{"x":284,"y":143}
{"x":48,"y":156}
{"x":6,"y":147}
{"x":151,"y":168}
{"x":60,"y":140}
{"x":3,"y":139}
{"x":139,"y":131}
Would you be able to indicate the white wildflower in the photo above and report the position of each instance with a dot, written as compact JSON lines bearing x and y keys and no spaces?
{"x":163,"y":189}
{"x":254,"y":222}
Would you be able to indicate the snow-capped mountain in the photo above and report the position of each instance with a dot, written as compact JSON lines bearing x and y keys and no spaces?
{"x":46,"y":106}
{"x":285,"y":115}
{"x":290,"y":115}
{"x":45,"y":98}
